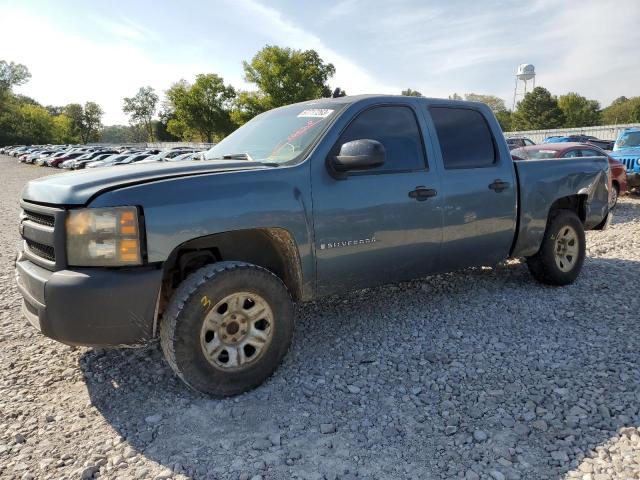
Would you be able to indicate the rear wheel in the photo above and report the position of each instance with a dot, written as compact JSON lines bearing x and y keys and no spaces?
{"x":561,"y":255}
{"x":227,"y":328}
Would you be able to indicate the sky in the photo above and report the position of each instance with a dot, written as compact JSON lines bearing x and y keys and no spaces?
{"x":80,"y":51}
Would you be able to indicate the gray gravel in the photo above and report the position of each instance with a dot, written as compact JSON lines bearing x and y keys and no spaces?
{"x":482,"y":374}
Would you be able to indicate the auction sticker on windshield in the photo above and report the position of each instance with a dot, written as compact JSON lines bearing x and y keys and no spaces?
{"x":315,"y":113}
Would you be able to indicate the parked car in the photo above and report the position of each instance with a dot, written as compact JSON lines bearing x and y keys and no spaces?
{"x":108,"y":161}
{"x":569,"y":138}
{"x":68,"y":157}
{"x":132,"y":159}
{"x":517,"y":142}
{"x":577,"y":150}
{"x":603,"y":144}
{"x":82,"y":161}
{"x":627,"y":151}
{"x":311,"y":199}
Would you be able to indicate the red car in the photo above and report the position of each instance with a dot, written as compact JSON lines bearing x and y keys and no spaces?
{"x":571,"y":150}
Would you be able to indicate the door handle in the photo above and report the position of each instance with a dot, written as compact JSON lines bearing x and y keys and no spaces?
{"x":498,"y":185}
{"x":421,"y":194}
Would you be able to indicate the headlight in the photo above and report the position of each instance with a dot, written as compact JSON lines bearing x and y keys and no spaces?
{"x":106,"y":237}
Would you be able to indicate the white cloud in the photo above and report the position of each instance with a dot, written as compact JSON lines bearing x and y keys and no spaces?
{"x":349,"y":76}
{"x":68,"y":68}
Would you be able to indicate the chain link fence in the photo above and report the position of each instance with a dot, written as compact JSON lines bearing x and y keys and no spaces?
{"x":605,"y":132}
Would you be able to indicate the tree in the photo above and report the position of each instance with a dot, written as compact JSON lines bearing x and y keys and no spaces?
{"x":283,"y":76}
{"x":411,"y":93}
{"x":141,"y":108}
{"x":455,"y":96}
{"x":86,"y":122}
{"x":92,"y":122}
{"x":33,"y":125}
{"x":538,"y":110}
{"x":622,"y":110}
{"x":578,"y":111}
{"x":117,"y":134}
{"x":338,"y":92}
{"x":62,"y":129}
{"x":202,"y":109}
{"x":497,"y":106}
{"x":11,"y":75}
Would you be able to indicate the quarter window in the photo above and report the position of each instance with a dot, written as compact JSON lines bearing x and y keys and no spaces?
{"x":396,"y":128}
{"x":464,"y":137}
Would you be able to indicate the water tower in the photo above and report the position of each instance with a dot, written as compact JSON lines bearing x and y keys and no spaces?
{"x":525,"y":73}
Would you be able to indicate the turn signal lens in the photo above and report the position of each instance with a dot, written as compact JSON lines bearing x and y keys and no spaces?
{"x":129,"y":251}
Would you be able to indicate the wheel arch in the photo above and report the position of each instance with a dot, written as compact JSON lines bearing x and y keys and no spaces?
{"x":576,"y":203}
{"x":272,"y":248}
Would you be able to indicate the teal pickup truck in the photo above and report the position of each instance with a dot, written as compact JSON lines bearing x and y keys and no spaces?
{"x":306,"y":200}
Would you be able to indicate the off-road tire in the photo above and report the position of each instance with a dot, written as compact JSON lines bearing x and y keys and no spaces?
{"x":181,"y":324}
{"x":543,"y":264}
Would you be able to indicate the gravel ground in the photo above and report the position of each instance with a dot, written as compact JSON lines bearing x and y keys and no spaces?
{"x":481,"y":374}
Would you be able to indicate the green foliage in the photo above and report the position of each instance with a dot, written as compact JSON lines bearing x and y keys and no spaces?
{"x":26,"y":124}
{"x":62,"y":129}
{"x":578,"y":111}
{"x":537,"y":110}
{"x":338,"y":92}
{"x":118,"y":134}
{"x":141,"y":108}
{"x":283,"y":76}
{"x":85,"y":121}
{"x":11,"y":75}
{"x":201,"y":110}
{"x":411,"y":93}
{"x":455,"y":96}
{"x":622,"y":110}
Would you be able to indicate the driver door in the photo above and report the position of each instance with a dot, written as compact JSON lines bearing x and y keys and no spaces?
{"x":372,"y":227}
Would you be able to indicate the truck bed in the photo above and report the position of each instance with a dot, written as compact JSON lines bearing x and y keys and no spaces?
{"x":545,"y":182}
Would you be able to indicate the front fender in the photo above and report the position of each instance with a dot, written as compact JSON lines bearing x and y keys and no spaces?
{"x":182,"y":209}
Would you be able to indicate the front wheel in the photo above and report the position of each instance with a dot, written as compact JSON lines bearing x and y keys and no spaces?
{"x":613,"y":196}
{"x":561,"y":255}
{"x":227,"y":328}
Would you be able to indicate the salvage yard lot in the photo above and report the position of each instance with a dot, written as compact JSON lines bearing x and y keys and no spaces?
{"x":477,"y":374}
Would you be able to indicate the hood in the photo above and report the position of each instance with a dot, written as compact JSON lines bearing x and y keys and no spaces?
{"x":77,"y":188}
{"x":626,"y":152}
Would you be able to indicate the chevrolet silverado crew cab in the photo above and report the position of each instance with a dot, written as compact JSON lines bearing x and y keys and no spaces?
{"x":306,"y":200}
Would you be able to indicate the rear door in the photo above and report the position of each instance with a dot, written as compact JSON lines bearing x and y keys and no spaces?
{"x":479,"y":187}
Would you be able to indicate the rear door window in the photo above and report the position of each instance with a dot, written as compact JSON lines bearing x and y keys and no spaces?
{"x":465,"y":138}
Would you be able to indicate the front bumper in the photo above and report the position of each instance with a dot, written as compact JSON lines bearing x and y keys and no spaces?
{"x":90,"y":306}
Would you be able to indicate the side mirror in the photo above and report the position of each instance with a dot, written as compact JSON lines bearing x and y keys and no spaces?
{"x":357,"y":155}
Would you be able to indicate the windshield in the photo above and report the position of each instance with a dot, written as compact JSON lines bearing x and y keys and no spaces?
{"x":628,"y":140}
{"x":532,"y":154}
{"x":277,"y":136}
